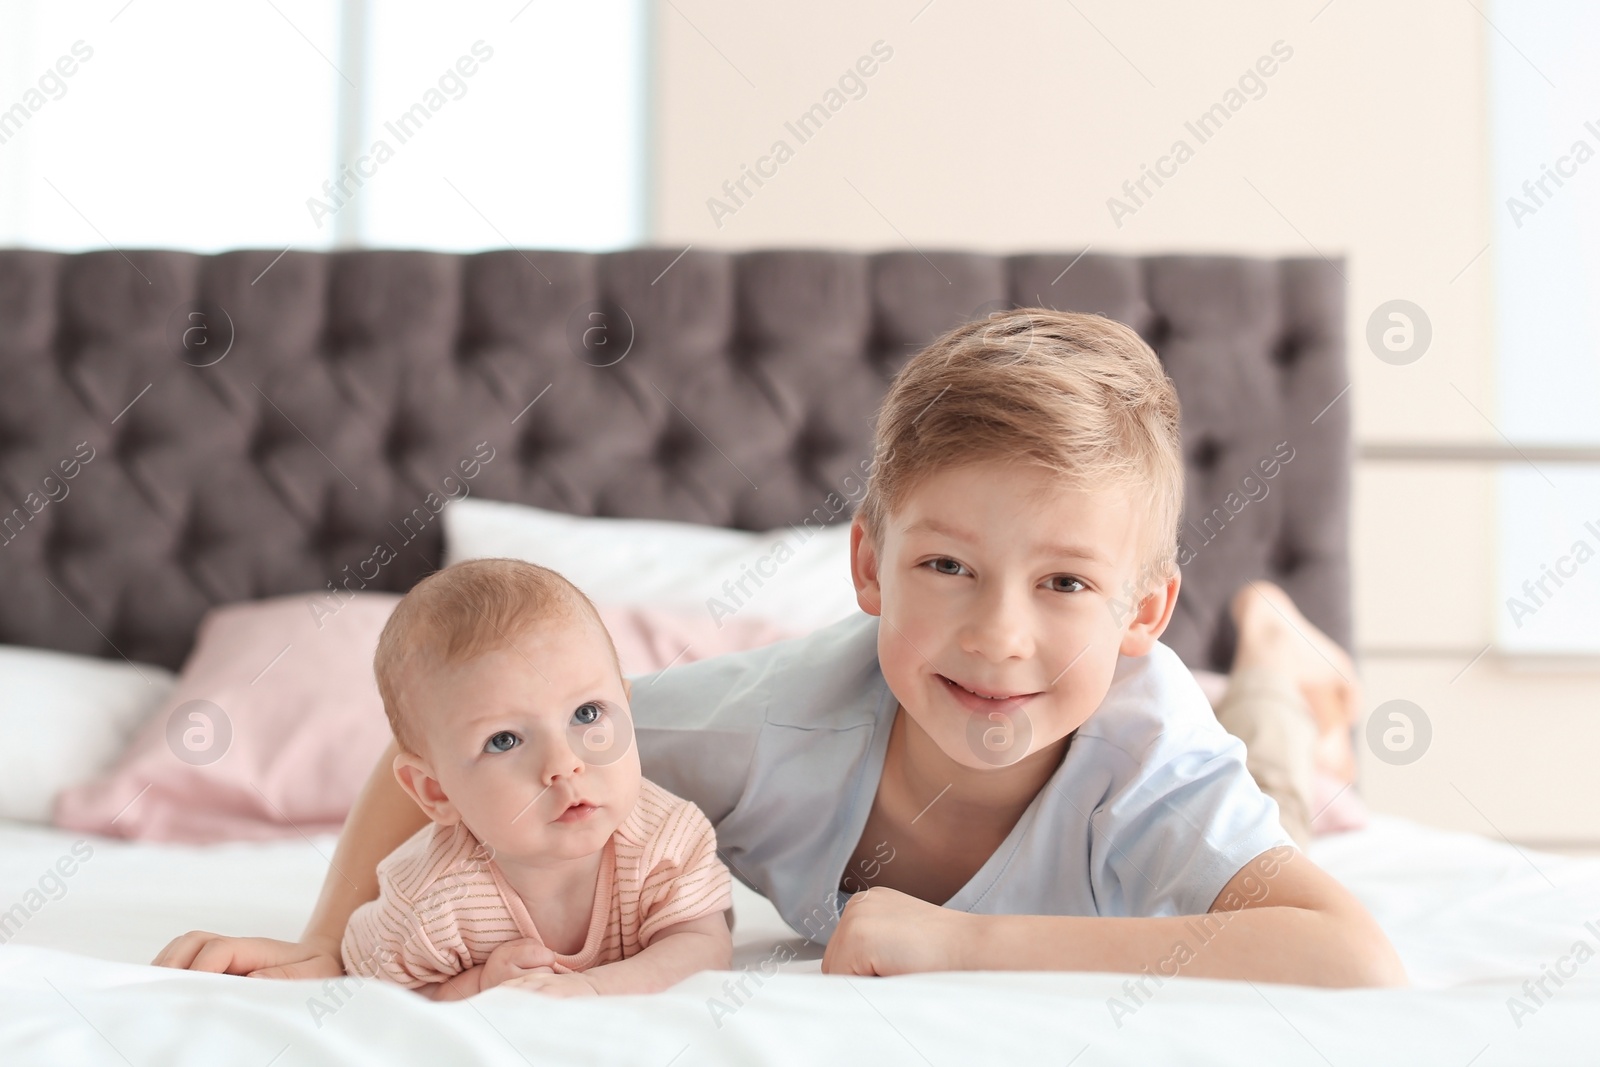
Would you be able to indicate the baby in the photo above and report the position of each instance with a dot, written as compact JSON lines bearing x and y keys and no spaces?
{"x":550,"y":863}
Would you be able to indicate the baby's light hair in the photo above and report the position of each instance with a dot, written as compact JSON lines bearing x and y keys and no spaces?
{"x":1078,"y":394}
{"x":464,"y":611}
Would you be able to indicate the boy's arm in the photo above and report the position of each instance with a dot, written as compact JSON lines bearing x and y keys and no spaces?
{"x":382,"y":818}
{"x":676,"y":952}
{"x":1279,"y":919}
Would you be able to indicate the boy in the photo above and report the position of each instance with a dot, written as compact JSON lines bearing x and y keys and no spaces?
{"x":997,"y":766}
{"x":1000,"y":751}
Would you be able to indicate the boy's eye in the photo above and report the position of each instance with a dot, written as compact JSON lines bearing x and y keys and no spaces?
{"x":504,"y":741}
{"x":1069,"y":584}
{"x":586,"y":713}
{"x":946,"y":565}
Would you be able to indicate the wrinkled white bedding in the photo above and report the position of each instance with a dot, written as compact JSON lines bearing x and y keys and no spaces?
{"x":1473,"y":919}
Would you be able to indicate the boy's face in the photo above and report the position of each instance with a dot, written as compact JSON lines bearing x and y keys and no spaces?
{"x":995,"y":580}
{"x":530,"y":745}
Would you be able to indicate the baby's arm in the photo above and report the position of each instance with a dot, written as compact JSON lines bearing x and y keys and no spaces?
{"x":469,"y":983}
{"x":385,"y":940}
{"x":685,"y":879}
{"x":675,"y":953}
{"x":411,"y":935}
{"x":509,"y":960}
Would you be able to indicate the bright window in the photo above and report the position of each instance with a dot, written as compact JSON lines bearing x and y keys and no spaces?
{"x":322,"y":123}
{"x":1545,"y":138}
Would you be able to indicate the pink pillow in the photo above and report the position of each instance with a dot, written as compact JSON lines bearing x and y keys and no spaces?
{"x":276,"y":722}
{"x":274,"y":725}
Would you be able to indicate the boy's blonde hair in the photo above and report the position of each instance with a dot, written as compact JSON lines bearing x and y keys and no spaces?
{"x":459,"y":613}
{"x":1081,"y":395}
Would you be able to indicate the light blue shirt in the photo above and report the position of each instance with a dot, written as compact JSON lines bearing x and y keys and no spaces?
{"x":1150,"y":813}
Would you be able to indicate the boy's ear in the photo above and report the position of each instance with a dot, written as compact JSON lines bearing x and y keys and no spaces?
{"x":1151,"y":616}
{"x":627,"y":689}
{"x":420,"y":785}
{"x":864,"y":568}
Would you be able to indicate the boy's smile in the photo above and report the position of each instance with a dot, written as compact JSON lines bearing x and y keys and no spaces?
{"x":984,"y":701}
{"x":999,"y":585}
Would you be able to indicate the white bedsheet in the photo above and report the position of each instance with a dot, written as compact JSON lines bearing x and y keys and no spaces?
{"x":1472,"y":919}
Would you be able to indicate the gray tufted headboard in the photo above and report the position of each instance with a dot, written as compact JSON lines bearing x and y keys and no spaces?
{"x":179,"y":430}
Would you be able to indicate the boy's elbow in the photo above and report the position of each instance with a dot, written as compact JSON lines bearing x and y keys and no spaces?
{"x":1371,"y":962}
{"x":1352,"y":952}
{"x":1382,"y":968}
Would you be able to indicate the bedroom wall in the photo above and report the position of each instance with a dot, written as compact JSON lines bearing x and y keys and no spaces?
{"x":1009,"y":127}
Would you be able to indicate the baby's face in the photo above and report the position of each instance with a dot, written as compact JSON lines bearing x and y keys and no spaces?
{"x":995,"y":580}
{"x":531,"y":744}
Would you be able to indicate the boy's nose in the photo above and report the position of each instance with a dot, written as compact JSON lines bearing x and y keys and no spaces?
{"x":999,"y":629}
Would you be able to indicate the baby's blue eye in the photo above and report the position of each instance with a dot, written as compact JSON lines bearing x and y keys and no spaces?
{"x":586,"y":713}
{"x":938,"y":565}
{"x":503,"y":741}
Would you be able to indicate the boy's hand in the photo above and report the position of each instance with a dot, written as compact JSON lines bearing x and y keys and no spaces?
{"x":514,"y":959}
{"x":258,"y":957}
{"x":884,"y":931}
{"x":572,"y":984}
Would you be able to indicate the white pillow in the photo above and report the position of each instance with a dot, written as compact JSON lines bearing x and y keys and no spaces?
{"x":64,"y":719}
{"x":796,"y":577}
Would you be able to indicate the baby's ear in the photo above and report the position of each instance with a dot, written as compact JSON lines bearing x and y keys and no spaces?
{"x":415,"y":777}
{"x":627,"y":689}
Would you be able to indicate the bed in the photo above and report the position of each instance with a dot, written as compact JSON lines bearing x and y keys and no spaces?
{"x":263,"y":420}
{"x":1473,"y":920}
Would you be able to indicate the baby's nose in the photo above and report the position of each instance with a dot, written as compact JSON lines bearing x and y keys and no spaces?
{"x":559,"y":762}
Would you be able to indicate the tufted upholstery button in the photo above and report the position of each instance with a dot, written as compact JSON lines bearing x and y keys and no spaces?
{"x":54,"y":543}
{"x":1157,"y":332}
{"x":1207,"y":454}
{"x":192,"y":540}
{"x":811,"y":443}
{"x":398,"y":439}
{"x":673,"y":447}
{"x":1285,"y":559}
{"x":130,"y":437}
{"x":1286,"y":351}
{"x":261,"y":444}
{"x":537,"y":443}
{"x":324,"y":538}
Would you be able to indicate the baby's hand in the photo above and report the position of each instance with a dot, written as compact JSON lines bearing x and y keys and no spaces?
{"x":572,"y":984}
{"x":514,"y":959}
